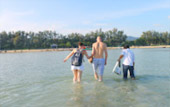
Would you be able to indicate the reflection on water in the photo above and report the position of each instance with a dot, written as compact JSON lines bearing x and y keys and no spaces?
{"x":76,"y":96}
{"x":41,"y":80}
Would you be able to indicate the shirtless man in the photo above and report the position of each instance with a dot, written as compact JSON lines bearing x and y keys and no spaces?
{"x":98,"y":49}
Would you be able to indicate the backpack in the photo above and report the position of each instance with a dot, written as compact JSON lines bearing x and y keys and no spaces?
{"x":76,"y":60}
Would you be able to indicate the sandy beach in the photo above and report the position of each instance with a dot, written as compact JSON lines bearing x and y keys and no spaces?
{"x":69,"y":49}
{"x":35,"y":50}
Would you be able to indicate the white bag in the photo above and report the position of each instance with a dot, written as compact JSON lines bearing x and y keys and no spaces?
{"x":117,"y":69}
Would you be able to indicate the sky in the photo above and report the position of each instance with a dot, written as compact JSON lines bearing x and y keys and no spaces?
{"x":84,"y":16}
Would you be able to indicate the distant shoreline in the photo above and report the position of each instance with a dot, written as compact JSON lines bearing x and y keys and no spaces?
{"x":160,"y":46}
{"x":69,"y":49}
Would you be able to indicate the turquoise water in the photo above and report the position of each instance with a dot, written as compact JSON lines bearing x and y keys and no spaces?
{"x":42,"y":80}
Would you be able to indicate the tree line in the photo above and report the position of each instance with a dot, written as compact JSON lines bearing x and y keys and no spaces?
{"x":151,"y":38}
{"x":44,"y":39}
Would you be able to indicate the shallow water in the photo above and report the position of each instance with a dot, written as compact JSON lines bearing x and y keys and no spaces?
{"x":43,"y":80}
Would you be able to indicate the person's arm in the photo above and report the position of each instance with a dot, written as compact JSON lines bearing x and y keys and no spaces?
{"x":106,"y":54}
{"x":120,"y":57}
{"x":85,"y":53}
{"x":69,"y":56}
{"x":133,"y":65}
{"x":133,"y":61}
{"x":93,"y":51}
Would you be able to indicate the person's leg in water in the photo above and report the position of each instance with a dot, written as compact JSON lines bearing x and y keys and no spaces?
{"x":79,"y":74}
{"x":100,"y":75}
{"x":96,"y":76}
{"x":95,"y":66}
{"x":75,"y":75}
{"x":131,"y":70}
{"x":125,"y":71}
{"x":100,"y":78}
{"x":101,"y":69}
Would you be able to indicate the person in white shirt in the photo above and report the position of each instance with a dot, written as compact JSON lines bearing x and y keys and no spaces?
{"x":128,"y":62}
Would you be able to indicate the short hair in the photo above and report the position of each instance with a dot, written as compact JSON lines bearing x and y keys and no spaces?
{"x":126,"y":46}
{"x":80,"y":44}
{"x":99,"y":37}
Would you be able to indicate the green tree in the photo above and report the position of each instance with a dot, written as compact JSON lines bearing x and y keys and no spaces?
{"x":68,"y":44}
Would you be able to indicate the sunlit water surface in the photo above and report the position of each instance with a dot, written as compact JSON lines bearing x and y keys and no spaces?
{"x":42,"y":80}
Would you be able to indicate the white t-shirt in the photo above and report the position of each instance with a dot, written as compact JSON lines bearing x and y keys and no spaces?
{"x":128,"y":56}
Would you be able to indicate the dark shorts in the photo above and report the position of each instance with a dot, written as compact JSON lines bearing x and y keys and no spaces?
{"x":125,"y":71}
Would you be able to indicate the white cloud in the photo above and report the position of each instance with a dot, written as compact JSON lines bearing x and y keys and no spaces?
{"x":78,"y":30}
{"x":86,"y":22}
{"x":14,"y":21}
{"x":10,"y":20}
{"x":132,"y":11}
{"x":157,"y":25}
{"x":168,"y":17}
{"x":100,"y":24}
